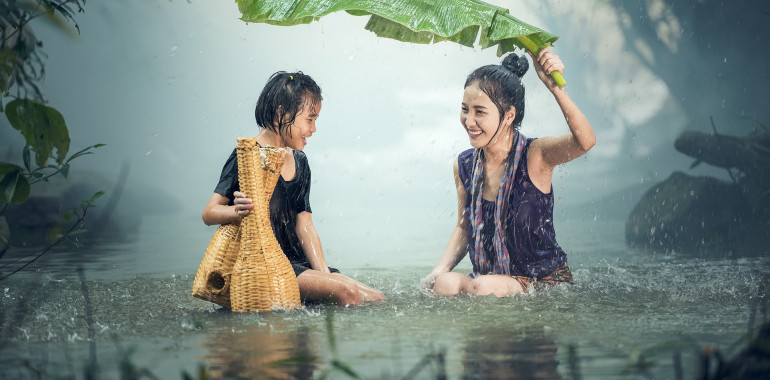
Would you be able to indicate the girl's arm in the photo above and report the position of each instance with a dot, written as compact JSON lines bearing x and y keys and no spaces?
{"x":310,"y":242}
{"x":218,"y":212}
{"x":457,"y":247}
{"x":553,"y":151}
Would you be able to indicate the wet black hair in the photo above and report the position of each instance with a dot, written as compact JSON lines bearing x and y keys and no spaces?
{"x":502,"y":84}
{"x":284,"y":96}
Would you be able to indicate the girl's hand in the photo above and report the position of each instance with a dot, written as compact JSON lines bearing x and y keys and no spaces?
{"x":242,"y":205}
{"x":546,"y":63}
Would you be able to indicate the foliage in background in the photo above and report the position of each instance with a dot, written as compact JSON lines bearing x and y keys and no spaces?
{"x":22,"y":68}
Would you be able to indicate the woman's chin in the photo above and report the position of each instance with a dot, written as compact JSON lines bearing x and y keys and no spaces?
{"x":476,"y":143}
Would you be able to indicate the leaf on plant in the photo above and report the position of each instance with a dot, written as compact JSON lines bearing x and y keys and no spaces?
{"x":79,"y":231}
{"x":43,"y":128}
{"x":97,"y":195}
{"x":7,"y":67}
{"x":26,"y":154}
{"x":84,"y":151}
{"x":65,"y":170}
{"x":69,"y":215}
{"x":78,"y":154}
{"x":14,"y":186}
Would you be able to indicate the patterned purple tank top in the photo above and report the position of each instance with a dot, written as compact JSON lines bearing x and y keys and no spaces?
{"x":530,"y":236}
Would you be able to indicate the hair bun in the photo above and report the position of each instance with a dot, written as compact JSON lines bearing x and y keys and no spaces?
{"x":516,"y":64}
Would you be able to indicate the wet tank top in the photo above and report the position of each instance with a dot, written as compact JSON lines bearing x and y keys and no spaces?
{"x":530,"y":235}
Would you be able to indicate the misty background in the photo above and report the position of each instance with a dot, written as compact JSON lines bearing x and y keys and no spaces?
{"x":169,"y":86}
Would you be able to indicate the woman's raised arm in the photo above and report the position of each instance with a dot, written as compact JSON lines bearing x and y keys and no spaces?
{"x":559,"y":150}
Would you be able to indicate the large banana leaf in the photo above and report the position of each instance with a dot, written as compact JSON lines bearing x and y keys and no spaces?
{"x":419,"y":21}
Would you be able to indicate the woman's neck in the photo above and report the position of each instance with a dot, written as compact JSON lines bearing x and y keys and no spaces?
{"x":497,"y":150}
{"x":267,"y":137}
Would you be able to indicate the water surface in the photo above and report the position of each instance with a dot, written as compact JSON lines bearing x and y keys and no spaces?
{"x":627,"y":315}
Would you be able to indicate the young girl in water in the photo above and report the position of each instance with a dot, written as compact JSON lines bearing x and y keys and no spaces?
{"x":504,"y":192}
{"x":286,"y":113}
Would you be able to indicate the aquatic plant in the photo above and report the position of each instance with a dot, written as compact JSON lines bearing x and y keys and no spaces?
{"x":337,"y":364}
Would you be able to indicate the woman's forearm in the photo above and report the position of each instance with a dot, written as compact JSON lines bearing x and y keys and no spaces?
{"x":455,"y":251}
{"x":576,"y":121}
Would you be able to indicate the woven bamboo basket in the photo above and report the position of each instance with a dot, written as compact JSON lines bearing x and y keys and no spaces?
{"x":212,"y":282}
{"x":262,"y":277}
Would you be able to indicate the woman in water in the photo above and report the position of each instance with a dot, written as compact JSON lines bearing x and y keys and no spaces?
{"x":286,"y":113}
{"x":504,"y":192}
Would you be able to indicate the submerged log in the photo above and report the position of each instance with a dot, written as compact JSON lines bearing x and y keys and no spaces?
{"x":751,"y":154}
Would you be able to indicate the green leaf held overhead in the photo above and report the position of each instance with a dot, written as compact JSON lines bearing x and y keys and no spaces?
{"x":43,"y":128}
{"x":460,"y":21}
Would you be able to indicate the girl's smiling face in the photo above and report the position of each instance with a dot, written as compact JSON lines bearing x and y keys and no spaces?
{"x":303,"y":127}
{"x":480,"y":117}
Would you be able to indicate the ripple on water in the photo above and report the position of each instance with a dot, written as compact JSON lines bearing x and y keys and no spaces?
{"x":611,"y":312}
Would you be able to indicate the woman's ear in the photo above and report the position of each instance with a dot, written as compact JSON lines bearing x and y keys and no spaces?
{"x":510,"y":115}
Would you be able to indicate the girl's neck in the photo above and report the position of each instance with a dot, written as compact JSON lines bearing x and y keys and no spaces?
{"x":267,"y":137}
{"x":497,"y":150}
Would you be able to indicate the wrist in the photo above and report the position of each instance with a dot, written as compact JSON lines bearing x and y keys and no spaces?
{"x":238,"y":216}
{"x":556,"y":90}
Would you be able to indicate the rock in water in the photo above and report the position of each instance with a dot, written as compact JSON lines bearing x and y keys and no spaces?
{"x":688,"y":214}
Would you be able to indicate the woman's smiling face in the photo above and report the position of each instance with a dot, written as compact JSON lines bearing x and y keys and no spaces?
{"x":479,"y":116}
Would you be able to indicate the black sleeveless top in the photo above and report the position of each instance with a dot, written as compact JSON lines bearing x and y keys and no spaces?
{"x":289,"y":199}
